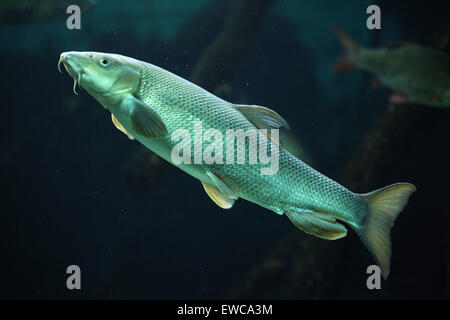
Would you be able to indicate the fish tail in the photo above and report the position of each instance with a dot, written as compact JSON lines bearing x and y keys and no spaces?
{"x":347,"y":61}
{"x":384,"y":205}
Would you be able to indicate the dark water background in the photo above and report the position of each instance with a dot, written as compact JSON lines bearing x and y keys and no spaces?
{"x":64,"y":197}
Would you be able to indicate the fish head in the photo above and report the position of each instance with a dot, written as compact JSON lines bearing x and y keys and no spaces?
{"x":107,"y":77}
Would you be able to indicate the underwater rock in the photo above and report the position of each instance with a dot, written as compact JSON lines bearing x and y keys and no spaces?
{"x":194,"y":37}
{"x":442,"y":36}
{"x":409,"y":142}
{"x":219,"y":60}
{"x":146,"y":172}
{"x":298,"y":267}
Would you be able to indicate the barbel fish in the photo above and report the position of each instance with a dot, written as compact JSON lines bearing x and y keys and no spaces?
{"x":149,"y":104}
{"x":415,"y":73}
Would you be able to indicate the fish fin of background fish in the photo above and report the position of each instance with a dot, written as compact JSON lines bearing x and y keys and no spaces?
{"x":376,"y":83}
{"x":347,"y":42}
{"x":344,"y":64}
{"x":399,"y":98}
{"x":120,"y":127}
{"x":221,"y":185}
{"x":218,"y":196}
{"x":317,"y":224}
{"x":262,"y":117}
{"x":144,"y":120}
{"x":384,"y":205}
{"x":347,"y":61}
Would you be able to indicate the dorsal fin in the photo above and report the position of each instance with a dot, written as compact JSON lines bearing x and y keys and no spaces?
{"x":262,"y":117}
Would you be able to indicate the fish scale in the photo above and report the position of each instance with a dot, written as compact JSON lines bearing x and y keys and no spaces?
{"x":178,"y":100}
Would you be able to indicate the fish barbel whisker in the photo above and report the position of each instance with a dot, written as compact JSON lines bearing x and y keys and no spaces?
{"x":75,"y":81}
{"x":59,"y":64}
{"x":74,"y":86}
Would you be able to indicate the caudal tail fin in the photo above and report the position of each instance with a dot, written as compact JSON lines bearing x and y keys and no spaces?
{"x":384,"y":205}
{"x":347,"y":61}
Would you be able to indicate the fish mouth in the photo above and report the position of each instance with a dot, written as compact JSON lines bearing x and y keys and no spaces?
{"x":72,"y":68}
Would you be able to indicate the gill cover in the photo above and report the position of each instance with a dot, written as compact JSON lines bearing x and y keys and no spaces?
{"x":112,"y":75}
{"x":127,"y":80}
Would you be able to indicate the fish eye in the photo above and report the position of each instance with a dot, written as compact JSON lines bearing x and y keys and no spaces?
{"x":104,"y":62}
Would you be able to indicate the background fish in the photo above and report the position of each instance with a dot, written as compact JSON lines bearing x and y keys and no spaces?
{"x":149,"y":103}
{"x":416,"y":74}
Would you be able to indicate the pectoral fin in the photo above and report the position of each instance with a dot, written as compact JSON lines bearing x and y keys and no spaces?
{"x":120,"y":127}
{"x":262,"y":117}
{"x":399,"y":98}
{"x":218,"y":196}
{"x":144,"y":119}
{"x":318,"y":224}
{"x":221,"y":186}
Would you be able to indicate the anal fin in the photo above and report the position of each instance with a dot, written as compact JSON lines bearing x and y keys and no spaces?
{"x":120,"y":127}
{"x":399,"y":98}
{"x":318,"y":224}
{"x":218,"y":196}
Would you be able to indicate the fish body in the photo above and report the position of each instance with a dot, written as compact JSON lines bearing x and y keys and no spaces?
{"x":180,"y":103}
{"x":150,"y":104}
{"x":419,"y":74}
